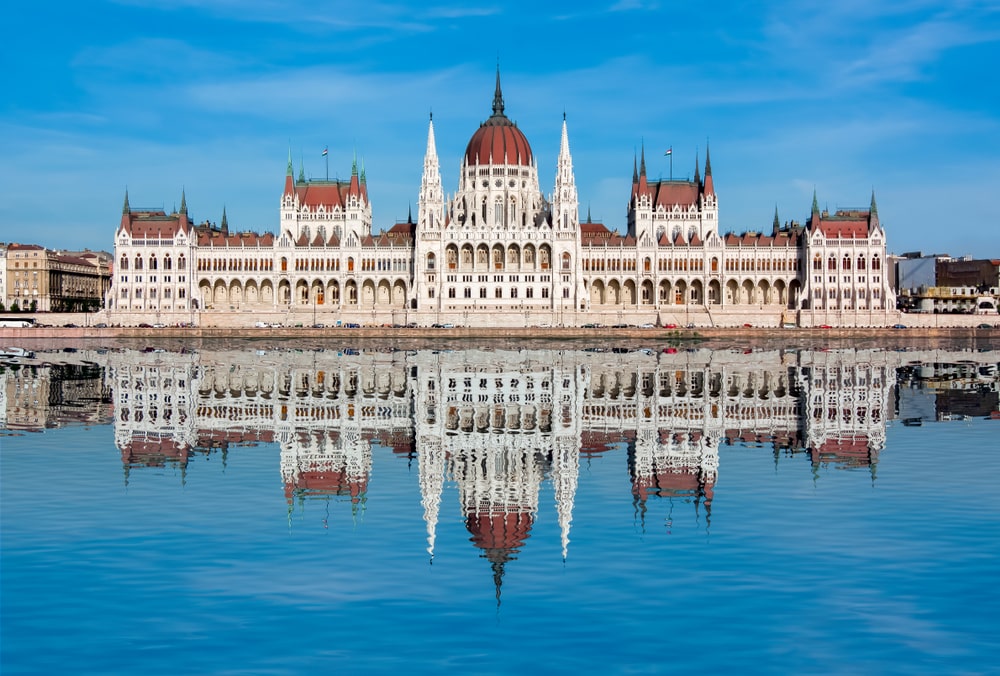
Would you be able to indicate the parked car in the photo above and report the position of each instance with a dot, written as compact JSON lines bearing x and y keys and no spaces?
{"x":825,"y":326}
{"x":899,"y":326}
{"x":670,"y":326}
{"x":647,"y":325}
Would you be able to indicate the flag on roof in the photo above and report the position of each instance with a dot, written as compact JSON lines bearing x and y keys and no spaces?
{"x":670,"y":151}
{"x":325,"y":151}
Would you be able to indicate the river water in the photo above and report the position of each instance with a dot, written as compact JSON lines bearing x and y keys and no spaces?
{"x":280,"y":510}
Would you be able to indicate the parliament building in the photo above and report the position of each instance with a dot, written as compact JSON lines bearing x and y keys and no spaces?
{"x":499,"y":252}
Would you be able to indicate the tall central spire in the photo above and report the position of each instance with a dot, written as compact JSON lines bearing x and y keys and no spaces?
{"x":498,"y":96}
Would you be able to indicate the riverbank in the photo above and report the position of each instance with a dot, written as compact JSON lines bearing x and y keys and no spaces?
{"x":604,"y":336}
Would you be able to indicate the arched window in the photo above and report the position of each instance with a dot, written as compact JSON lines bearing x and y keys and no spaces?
{"x":138,"y":262}
{"x":284,"y":264}
{"x":124,"y":263}
{"x":152,"y":262}
{"x":430,"y":261}
{"x":846,"y":265}
{"x":646,"y":265}
{"x":167,"y":263}
{"x":565,"y":261}
{"x":831,"y":263}
{"x":876,"y":263}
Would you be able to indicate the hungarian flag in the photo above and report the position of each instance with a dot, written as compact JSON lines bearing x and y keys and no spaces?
{"x":670,"y":151}
{"x":325,"y":152}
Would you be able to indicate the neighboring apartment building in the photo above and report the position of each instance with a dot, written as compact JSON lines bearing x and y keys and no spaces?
{"x":42,"y":280}
{"x":3,"y":274}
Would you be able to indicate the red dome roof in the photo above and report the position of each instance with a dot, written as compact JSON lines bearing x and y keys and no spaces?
{"x":498,"y":140}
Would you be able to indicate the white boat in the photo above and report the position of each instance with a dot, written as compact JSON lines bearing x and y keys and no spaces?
{"x":16,"y":353}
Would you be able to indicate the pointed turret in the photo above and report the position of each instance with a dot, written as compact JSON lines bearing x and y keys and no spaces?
{"x":302,"y":171}
{"x":355,"y":188}
{"x":289,"y":175}
{"x":126,"y":209}
{"x":697,"y":170}
{"x":709,"y":185}
{"x":873,"y":221}
{"x":184,"y":204}
{"x":498,"y":96}
{"x":364,"y":181}
{"x":814,"y":216}
{"x":430,"y":204}
{"x":565,"y":204}
{"x":642,"y":171}
{"x":776,"y":224}
{"x":225,"y":221}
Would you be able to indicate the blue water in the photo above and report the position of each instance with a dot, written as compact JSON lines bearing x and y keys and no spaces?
{"x":794,"y":566}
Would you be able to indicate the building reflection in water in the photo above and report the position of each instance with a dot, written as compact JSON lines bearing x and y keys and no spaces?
{"x":500,"y":423}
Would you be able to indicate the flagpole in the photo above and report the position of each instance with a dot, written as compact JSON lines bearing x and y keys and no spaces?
{"x":326,"y":156}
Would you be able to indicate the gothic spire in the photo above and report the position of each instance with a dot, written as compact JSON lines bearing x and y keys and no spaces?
{"x":184,"y":204}
{"x":697,"y":169}
{"x":815,"y":206}
{"x":498,"y":96}
{"x":776,"y":225}
{"x":564,"y":141}
{"x":225,"y":221}
{"x":709,"y":185}
{"x":874,"y":206}
{"x":431,"y":145}
{"x":302,"y":170}
{"x":635,"y":171}
{"x":290,"y":171}
{"x":642,"y":161}
{"x":126,"y":209}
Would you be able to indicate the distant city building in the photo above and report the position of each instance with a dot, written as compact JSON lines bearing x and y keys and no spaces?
{"x":42,"y":280}
{"x":3,"y":274}
{"x":499,"y":252}
{"x":941,"y":284}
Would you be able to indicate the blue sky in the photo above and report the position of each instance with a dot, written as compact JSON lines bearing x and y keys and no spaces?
{"x":208,"y":96}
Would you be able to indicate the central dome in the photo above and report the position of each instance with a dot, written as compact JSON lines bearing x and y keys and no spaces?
{"x":498,"y":140}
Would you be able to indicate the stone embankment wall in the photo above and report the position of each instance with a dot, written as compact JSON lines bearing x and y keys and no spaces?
{"x":607,"y":336}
